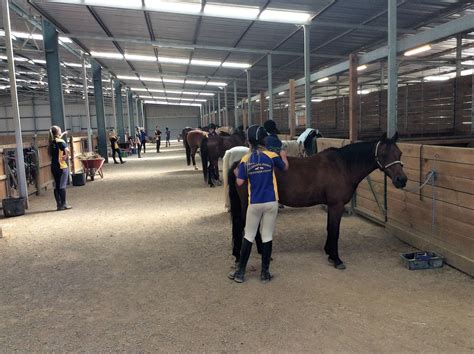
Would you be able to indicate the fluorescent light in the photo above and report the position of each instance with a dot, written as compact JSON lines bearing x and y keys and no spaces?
{"x":153,"y":79}
{"x":141,"y":89}
{"x":268,"y":97}
{"x":4,"y":57}
{"x":232,"y":11}
{"x":113,"y":3}
{"x":324,"y":79}
{"x":316,"y":100}
{"x":417,"y":50}
{"x":468,"y":62}
{"x":202,"y":62}
{"x":65,"y":39}
{"x":195,"y":82}
{"x":3,"y":87}
{"x":39,"y":61}
{"x":363,"y":92}
{"x":204,"y":94}
{"x":257,"y":100}
{"x":125,"y":77}
{"x":76,"y":65}
{"x":229,"y":64}
{"x":107,"y":55}
{"x":215,"y":83}
{"x":436,"y":78}
{"x":281,"y":93}
{"x":138,"y":57}
{"x":169,"y":60}
{"x":174,"y":81}
{"x":174,"y":6}
{"x":361,"y":67}
{"x":277,"y":15}
{"x":467,"y":72}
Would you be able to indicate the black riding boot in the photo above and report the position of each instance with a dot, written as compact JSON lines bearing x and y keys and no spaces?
{"x":64,"y":205}
{"x":266,"y":276}
{"x":57,"y":197}
{"x":238,"y":275}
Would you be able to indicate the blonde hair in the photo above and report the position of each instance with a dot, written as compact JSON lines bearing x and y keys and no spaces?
{"x":53,"y":133}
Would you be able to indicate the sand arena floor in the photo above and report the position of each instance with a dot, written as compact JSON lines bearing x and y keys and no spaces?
{"x":141,"y":261}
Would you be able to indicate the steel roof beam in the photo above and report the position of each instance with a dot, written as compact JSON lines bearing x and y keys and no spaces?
{"x":175,"y":45}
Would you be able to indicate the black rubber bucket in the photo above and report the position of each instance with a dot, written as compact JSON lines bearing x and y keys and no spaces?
{"x":13,"y":207}
{"x":79,"y":179}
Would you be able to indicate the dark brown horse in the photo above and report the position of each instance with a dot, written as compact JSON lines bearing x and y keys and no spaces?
{"x":192,"y":142}
{"x":213,"y":148}
{"x":330,"y":177}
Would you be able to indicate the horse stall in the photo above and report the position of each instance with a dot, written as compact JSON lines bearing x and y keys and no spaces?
{"x":435,"y":211}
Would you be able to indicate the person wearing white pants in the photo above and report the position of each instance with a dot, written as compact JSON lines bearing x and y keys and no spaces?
{"x":257,"y":167}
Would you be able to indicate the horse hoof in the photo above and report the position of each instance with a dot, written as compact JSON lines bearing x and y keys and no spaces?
{"x":195,"y":168}
{"x":211,"y":186}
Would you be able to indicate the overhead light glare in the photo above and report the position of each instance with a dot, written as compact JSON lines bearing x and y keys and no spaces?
{"x":127,"y":77}
{"x":169,"y":60}
{"x":230,"y":64}
{"x":281,"y":93}
{"x":361,"y":67}
{"x":277,"y":15}
{"x":201,"y":62}
{"x":106,"y":55}
{"x":436,"y":78}
{"x":183,"y":7}
{"x":316,"y":100}
{"x":138,"y":57}
{"x":232,"y":11}
{"x":152,"y":79}
{"x":324,"y":79}
{"x":418,"y":50}
{"x":174,"y":81}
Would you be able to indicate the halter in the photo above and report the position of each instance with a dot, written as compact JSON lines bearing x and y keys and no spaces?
{"x":383,"y":168}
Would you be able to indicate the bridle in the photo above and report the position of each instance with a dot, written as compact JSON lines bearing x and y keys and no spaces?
{"x":383,"y":168}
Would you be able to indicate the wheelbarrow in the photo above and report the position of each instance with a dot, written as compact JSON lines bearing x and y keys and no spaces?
{"x":93,"y":167}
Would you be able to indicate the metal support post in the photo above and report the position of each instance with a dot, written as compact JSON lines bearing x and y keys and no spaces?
{"x":249,"y":100}
{"x":119,"y":109}
{"x":219,"y":115}
{"x":21,"y":174}
{"x":270,"y":86}
{"x":53,"y":69}
{"x":99,"y":109}
{"x":86,"y":103}
{"x":236,"y":106}
{"x":392,"y":69}
{"x":114,"y":109}
{"x":226,"y":113}
{"x":307,"y":76}
{"x":131,"y":115}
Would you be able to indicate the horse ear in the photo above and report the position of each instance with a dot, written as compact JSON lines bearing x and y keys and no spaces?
{"x":395,"y":137}
{"x":383,"y":137}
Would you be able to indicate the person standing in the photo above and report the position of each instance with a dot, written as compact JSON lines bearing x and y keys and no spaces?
{"x":138,"y":141}
{"x":158,"y":138}
{"x":59,"y":153}
{"x":168,"y":136}
{"x":212,"y":130}
{"x":257,"y":168}
{"x":143,"y":139}
{"x":113,"y":138}
{"x":272,"y":141}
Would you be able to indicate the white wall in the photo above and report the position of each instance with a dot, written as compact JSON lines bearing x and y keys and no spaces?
{"x":176,"y":118}
{"x":35,"y":114}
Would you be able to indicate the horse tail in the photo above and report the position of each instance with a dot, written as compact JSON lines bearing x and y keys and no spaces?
{"x":204,"y":157}
{"x":235,"y":212}
{"x":188,"y":149}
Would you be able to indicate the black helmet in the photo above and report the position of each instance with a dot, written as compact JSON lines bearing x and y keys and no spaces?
{"x":271,"y":127}
{"x":212,"y":126}
{"x":256,"y":134}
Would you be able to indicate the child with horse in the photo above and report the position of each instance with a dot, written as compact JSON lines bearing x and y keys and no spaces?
{"x":257,"y":170}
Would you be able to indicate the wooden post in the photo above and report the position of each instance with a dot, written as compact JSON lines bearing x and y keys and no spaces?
{"x":291,"y":108}
{"x":262,"y":107}
{"x":71,"y":148}
{"x":353,"y":111}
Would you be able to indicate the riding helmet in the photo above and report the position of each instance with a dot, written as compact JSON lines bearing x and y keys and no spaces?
{"x":212,"y":126}
{"x":256,"y":134}
{"x":270,"y":127}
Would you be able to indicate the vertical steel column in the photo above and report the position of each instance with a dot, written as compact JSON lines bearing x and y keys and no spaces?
{"x":119,"y":109}
{"x":99,"y":109}
{"x":137,"y":116}
{"x":236,"y":106}
{"x":472,"y":103}
{"x":392,"y":69}
{"x":20,"y":158}
{"x":307,"y":76}
{"x":226,"y":114}
{"x":209,"y":120}
{"x":458,"y":55}
{"x":249,"y":100}
{"x":354,"y":117}
{"x":86,"y":103}
{"x":145,"y":124}
{"x":219,"y":116}
{"x":53,"y":69}
{"x":270,"y":86}
{"x":213,"y":110}
{"x":131,"y":117}
{"x":114,"y":109}
{"x":292,"y":107}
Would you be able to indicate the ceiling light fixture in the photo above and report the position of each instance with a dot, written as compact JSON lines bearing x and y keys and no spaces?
{"x":184,"y":7}
{"x":418,"y":50}
{"x":361,"y":67}
{"x":231,"y":11}
{"x":324,"y":79}
{"x":230,"y":64}
{"x":203,"y":62}
{"x":106,"y":55}
{"x":279,"y":15}
{"x":138,"y":57}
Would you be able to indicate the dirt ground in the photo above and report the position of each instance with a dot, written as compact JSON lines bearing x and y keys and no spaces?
{"x":140,"y":264}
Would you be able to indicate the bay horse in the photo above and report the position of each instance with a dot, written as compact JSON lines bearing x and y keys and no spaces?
{"x":329,"y":177}
{"x":192,"y":142}
{"x":213,"y":148}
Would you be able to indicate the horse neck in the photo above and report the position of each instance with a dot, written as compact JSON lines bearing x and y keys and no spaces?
{"x":361,"y":162}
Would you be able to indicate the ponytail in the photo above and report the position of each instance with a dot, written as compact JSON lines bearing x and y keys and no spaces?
{"x":53,"y":131}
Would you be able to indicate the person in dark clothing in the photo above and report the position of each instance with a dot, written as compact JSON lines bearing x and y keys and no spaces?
{"x":272,"y":141}
{"x":212,"y":130}
{"x":143,"y":139}
{"x":168,"y":137}
{"x":138,"y":141}
{"x":59,"y":153}
{"x":158,"y":138}
{"x":114,"y":146}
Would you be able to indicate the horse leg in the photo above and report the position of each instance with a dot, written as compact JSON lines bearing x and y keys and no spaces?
{"x":193,"y":156}
{"x":210,"y":175}
{"x":334,"y":222}
{"x":216,"y":172}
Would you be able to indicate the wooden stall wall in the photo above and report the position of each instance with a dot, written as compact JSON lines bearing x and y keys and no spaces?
{"x":439,"y":218}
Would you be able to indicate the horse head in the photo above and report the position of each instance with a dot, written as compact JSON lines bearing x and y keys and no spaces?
{"x":387,"y":157}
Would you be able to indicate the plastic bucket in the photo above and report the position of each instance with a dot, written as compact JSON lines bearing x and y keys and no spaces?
{"x":79,"y":179}
{"x":13,"y":207}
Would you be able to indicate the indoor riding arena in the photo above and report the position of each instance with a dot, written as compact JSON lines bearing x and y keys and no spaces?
{"x":237,"y":176}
